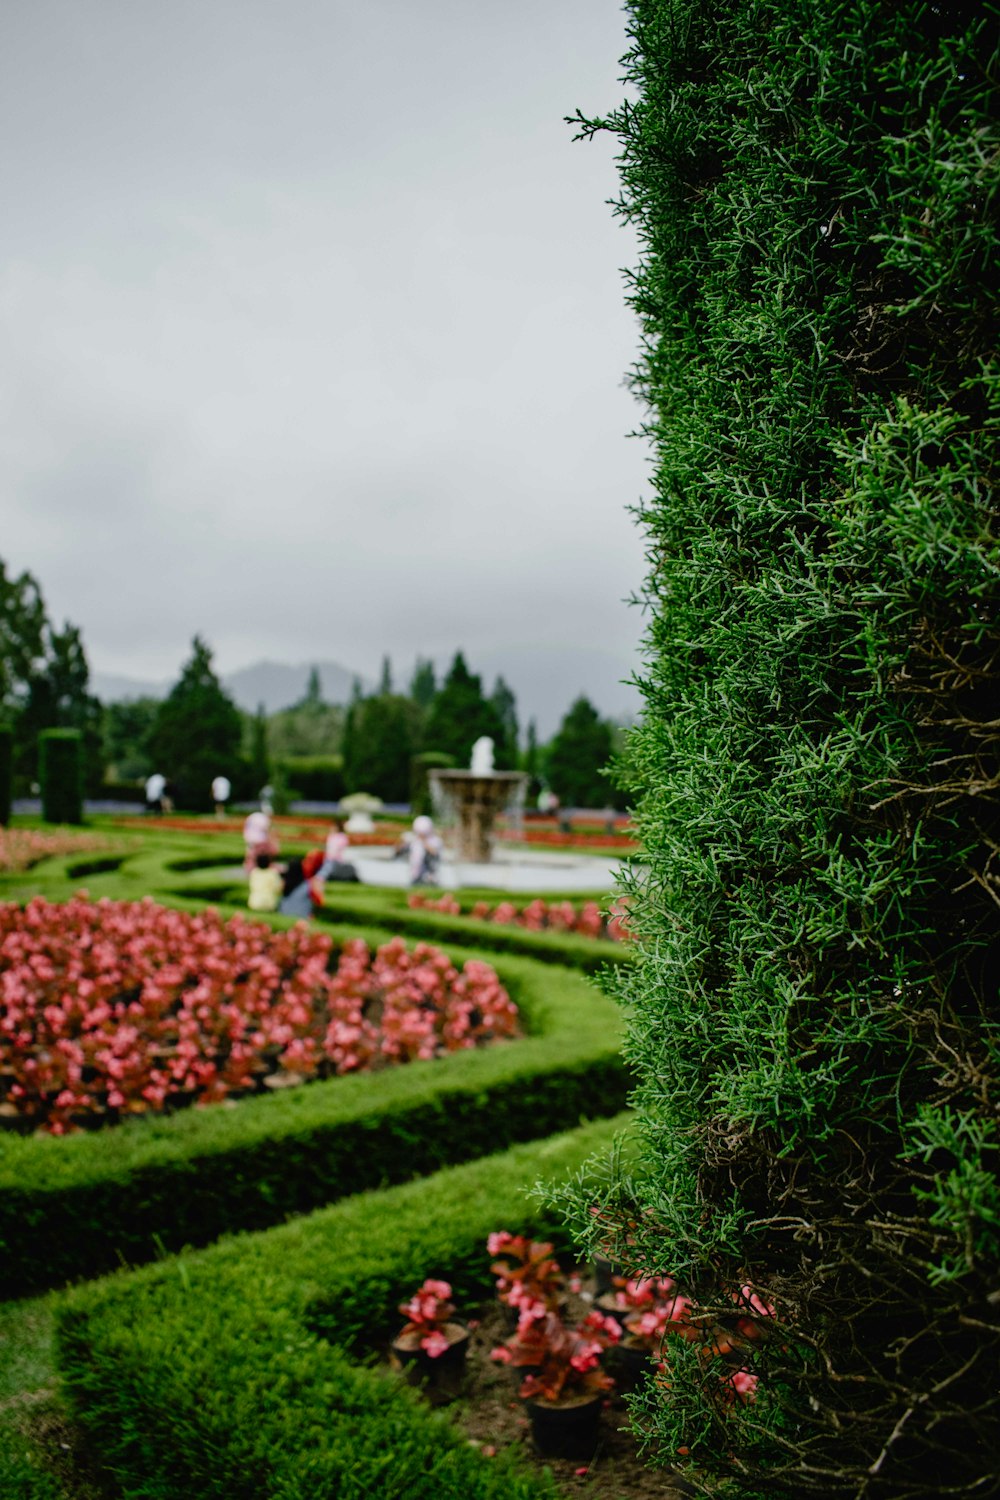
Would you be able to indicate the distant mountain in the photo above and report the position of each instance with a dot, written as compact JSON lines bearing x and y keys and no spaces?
{"x":545,"y":680}
{"x":111,"y":687}
{"x":275,"y":684}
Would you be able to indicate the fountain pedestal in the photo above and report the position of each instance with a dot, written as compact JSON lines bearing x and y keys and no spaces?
{"x":476,"y":799}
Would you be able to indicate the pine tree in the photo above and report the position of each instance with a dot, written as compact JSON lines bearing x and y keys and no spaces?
{"x":314,"y":689}
{"x":383,"y":737}
{"x":22,"y":626}
{"x":531,"y":761}
{"x":504,"y":703}
{"x":57,"y":697}
{"x":578,"y":755}
{"x":422,"y":684}
{"x":260,"y":762}
{"x":198,"y":732}
{"x":460,"y":715}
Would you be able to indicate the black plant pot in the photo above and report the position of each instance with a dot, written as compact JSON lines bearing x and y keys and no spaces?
{"x":604,"y":1269}
{"x":566,"y":1429}
{"x":441,"y":1378}
{"x":629,"y":1361}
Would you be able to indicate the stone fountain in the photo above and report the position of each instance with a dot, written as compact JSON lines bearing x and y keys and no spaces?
{"x":472,"y":801}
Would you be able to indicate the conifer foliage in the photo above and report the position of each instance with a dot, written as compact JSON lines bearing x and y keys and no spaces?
{"x":813,"y":1014}
{"x":197,"y":731}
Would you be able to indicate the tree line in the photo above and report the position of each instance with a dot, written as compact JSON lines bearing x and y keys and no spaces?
{"x":382,"y":741}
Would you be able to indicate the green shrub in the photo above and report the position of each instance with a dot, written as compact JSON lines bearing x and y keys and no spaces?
{"x":60,"y":773}
{"x":122,"y":791}
{"x":316,"y":778}
{"x":813,"y":1012}
{"x":6,"y":773}
{"x":427,"y":760}
{"x":209,"y":1374}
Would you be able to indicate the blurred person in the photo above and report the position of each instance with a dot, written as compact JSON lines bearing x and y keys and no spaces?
{"x":303,"y":886}
{"x":266,"y":884}
{"x":335,"y":866}
{"x":221,"y":789}
{"x":156,"y":785}
{"x":257,"y":838}
{"x":423,"y":846}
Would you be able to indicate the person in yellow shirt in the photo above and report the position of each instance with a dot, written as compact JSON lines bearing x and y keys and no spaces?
{"x":265,"y":885}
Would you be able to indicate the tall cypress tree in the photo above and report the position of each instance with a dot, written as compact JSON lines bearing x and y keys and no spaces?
{"x":813,"y":1007}
{"x":422,"y":684}
{"x":198,"y":732}
{"x":460,"y":714}
{"x":578,"y":756}
{"x":504,"y":703}
{"x":378,"y":751}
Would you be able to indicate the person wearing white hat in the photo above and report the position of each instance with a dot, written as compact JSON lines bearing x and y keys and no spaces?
{"x":221,"y":788}
{"x":424,"y":849}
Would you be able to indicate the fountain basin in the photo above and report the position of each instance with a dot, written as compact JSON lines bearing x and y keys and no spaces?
{"x":474,"y":799}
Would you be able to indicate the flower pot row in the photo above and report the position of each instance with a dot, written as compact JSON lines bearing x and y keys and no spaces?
{"x":565,"y":1370}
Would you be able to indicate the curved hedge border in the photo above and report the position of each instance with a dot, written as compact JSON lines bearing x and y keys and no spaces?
{"x":175,"y":866}
{"x":206,"y":1374}
{"x":78,"y":1206}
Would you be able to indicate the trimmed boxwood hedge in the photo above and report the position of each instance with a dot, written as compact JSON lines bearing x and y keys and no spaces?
{"x":207,"y":1374}
{"x":78,"y":1206}
{"x":6,"y":772}
{"x":210,"y":875}
{"x":60,"y":772}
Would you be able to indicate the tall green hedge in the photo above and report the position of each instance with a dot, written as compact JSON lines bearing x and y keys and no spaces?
{"x":316,"y":778}
{"x":6,"y":772}
{"x":813,"y":1019}
{"x":60,"y":773}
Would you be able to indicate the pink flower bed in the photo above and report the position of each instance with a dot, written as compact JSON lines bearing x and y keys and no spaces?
{"x":537,"y":916}
{"x":20,"y":848}
{"x":116,"y":1008}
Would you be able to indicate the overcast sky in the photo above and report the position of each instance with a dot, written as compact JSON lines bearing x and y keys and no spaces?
{"x":314,"y":331}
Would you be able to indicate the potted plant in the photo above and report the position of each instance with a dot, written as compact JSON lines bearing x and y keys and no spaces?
{"x":626,"y":1295}
{"x":526,"y":1273}
{"x":431,"y":1347}
{"x":646,"y":1310}
{"x":359,"y":807}
{"x":564,"y":1387}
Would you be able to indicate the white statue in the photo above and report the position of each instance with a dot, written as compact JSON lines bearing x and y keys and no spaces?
{"x":482,"y":757}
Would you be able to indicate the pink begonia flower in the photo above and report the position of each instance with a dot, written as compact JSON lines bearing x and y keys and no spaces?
{"x":435,"y":1344}
{"x":747,"y":1295}
{"x":501,"y":1355}
{"x":96,"y":953}
{"x":437,"y":1289}
{"x":745,"y":1384}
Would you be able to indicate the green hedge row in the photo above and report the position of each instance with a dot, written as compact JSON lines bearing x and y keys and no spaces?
{"x":579,"y":952}
{"x":316,"y":778}
{"x":209,"y":875}
{"x":77,"y":1206}
{"x":60,"y":772}
{"x":206,"y":1374}
{"x":6,"y":773}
